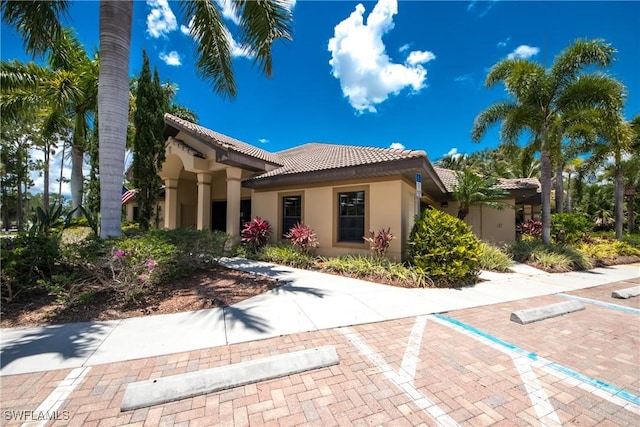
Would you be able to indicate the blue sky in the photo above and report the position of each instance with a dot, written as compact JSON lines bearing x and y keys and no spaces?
{"x":373,"y":73}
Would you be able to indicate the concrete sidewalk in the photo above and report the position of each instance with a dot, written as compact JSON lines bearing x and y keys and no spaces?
{"x":308,"y":301}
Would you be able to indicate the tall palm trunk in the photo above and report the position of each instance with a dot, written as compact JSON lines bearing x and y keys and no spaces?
{"x":559,"y":186}
{"x":64,"y":149}
{"x":545,"y":183}
{"x":77,"y":160}
{"x":569,"y":207}
{"x":77,"y":178}
{"x":619,"y":200}
{"x":113,"y":108}
{"x":46,"y":173}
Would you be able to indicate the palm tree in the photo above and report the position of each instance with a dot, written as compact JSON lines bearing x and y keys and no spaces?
{"x":538,"y":95}
{"x":473,"y":189}
{"x":259,"y":25}
{"x":65,"y":90}
{"x":615,"y":137}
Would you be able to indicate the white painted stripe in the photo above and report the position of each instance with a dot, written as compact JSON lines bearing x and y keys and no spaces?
{"x":412,"y":352}
{"x":57,"y":397}
{"x":539,"y":399}
{"x":547,"y":366}
{"x":422,"y":401}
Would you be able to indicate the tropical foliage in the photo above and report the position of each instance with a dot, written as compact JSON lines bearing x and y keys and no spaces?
{"x":443,"y":248}
{"x":540,"y":99}
{"x":472,"y":189}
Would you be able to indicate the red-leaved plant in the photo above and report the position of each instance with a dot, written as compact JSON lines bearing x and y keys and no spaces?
{"x":379,"y":243}
{"x":302,"y":238}
{"x":255,"y":233}
{"x":531,"y":227}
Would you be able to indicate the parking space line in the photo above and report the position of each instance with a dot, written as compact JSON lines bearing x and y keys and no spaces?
{"x":57,"y":397}
{"x":606,"y":391}
{"x":401,"y":380}
{"x":539,"y":399}
{"x":601,"y":303}
{"x":412,"y":352}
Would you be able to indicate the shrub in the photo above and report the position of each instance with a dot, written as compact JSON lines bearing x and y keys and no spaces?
{"x":608,"y":249}
{"x":27,"y":260}
{"x":379,"y":243}
{"x":568,"y":227}
{"x":379,"y":268}
{"x":494,"y":259}
{"x":303,"y":238}
{"x":444,"y":249}
{"x":550,"y":258}
{"x":287,"y":255}
{"x":531,"y":227}
{"x":256,"y":233}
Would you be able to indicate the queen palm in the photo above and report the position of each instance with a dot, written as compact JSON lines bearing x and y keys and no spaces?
{"x":65,"y":90}
{"x":472,"y":189}
{"x":538,"y":95}
{"x":615,"y":138}
{"x":259,"y":25}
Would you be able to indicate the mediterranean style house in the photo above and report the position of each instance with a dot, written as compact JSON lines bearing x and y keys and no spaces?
{"x":216,"y":182}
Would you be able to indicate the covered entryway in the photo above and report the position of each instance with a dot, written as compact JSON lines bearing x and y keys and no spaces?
{"x":203,"y":174}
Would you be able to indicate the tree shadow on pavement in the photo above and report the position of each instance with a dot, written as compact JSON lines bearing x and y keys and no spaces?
{"x":67,"y":341}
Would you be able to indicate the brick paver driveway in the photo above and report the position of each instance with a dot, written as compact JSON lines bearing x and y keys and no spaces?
{"x":468,"y":367}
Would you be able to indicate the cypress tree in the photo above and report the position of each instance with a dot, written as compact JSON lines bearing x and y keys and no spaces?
{"x":148,"y":144}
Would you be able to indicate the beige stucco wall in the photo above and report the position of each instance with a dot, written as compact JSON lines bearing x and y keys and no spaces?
{"x":384,"y":198}
{"x":490,"y":225}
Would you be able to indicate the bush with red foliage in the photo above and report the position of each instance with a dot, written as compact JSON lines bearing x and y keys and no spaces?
{"x":302,"y":238}
{"x":256,"y":233}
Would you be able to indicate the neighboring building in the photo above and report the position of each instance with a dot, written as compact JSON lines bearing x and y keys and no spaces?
{"x":216,"y":182}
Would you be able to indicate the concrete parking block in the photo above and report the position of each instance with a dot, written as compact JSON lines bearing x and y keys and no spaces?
{"x":177,"y":387}
{"x":626,"y":293}
{"x":545,"y":312}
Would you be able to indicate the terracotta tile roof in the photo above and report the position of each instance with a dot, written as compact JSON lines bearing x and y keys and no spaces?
{"x":218,"y":140}
{"x":182,"y":145}
{"x":448,"y":178}
{"x":315,"y":156}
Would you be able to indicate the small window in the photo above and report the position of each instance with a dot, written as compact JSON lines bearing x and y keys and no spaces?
{"x":351,"y":218}
{"x":291,"y":212}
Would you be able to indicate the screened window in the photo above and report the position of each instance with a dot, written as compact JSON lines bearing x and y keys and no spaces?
{"x":291,"y":212}
{"x":351,"y":216}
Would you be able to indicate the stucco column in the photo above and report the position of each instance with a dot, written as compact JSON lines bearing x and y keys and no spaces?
{"x":234,"y":175}
{"x":171,"y":204}
{"x":203,"y":215}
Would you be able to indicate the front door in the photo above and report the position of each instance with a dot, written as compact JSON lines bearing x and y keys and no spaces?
{"x":219,"y":214}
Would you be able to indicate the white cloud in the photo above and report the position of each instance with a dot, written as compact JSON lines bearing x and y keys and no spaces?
{"x":483,"y":9}
{"x":263,"y":140}
{"x":404,"y":47}
{"x":523,"y":52}
{"x":419,"y":57}
{"x":186,"y":29}
{"x":463,"y":78}
{"x":160,"y":20}
{"x":453,"y":153}
{"x":227,"y":11}
{"x":396,"y":146}
{"x":504,"y":42}
{"x":171,"y":58}
{"x":358,"y":59}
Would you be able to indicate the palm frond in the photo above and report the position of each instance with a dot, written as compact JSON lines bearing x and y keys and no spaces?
{"x":592,"y":90}
{"x":489,"y":117}
{"x":579,"y":55}
{"x":262,"y":23}
{"x":36,"y":21}
{"x":213,"y":50}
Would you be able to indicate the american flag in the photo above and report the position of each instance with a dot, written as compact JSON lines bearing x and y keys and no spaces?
{"x":127,"y":194}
